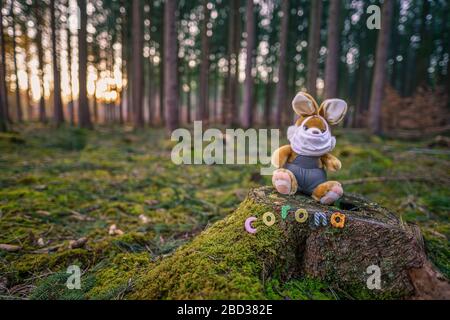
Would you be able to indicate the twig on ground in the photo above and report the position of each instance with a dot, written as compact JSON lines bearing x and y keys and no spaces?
{"x":385,"y":179}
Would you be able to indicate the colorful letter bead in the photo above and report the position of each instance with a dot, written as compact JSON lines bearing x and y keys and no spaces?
{"x":285,"y":211}
{"x":301,"y":215}
{"x":338,"y":220}
{"x":320,"y":218}
{"x":248,"y":225}
{"x":268,"y":218}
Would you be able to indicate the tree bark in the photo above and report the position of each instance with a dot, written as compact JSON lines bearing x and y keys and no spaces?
{"x":40,"y":67}
{"x":70,"y":105}
{"x":247,"y":117}
{"x":3,"y":90}
{"x":425,"y":49}
{"x":268,"y":101}
{"x":282,"y":72}
{"x":241,"y":265}
{"x":58,"y":113}
{"x":137,"y":86}
{"x":151,"y":72}
{"x":83,"y":109}
{"x":203,"y":106}
{"x":215,"y":107}
{"x":313,"y":47}
{"x":376,"y":96}
{"x":332,"y":62}
{"x":94,"y":98}
{"x":29,"y":95}
{"x":188,"y":96}
{"x":19,"y":113}
{"x":233,"y":55}
{"x":170,"y":66}
{"x":150,"y":85}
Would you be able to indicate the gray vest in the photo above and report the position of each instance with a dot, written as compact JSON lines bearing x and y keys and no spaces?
{"x":307,"y":172}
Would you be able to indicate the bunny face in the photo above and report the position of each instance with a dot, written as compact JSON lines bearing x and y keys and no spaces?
{"x":311,"y":135}
{"x":313,"y":125}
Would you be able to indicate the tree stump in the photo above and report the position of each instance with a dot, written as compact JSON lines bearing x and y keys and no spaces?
{"x":226,"y":262}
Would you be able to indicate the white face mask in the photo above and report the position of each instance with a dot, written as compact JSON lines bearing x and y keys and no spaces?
{"x":305,"y":143}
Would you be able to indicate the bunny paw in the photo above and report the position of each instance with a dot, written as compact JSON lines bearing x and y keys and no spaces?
{"x":333,"y":164}
{"x":284,"y":181}
{"x":328,"y":192}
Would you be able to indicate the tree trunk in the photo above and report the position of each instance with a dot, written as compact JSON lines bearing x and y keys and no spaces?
{"x":3,"y":91}
{"x":69,"y":66}
{"x":40,"y":67}
{"x":188,"y":97}
{"x":313,"y":47}
{"x":376,"y":96}
{"x":215,"y":105}
{"x":247,"y":117}
{"x":94,"y":98}
{"x":282,"y":72}
{"x":425,"y":49}
{"x":203,"y":106}
{"x":138,"y":115}
{"x":123,"y":67}
{"x":332,"y":63}
{"x":83,"y":109}
{"x":19,"y":113}
{"x":170,"y":66}
{"x":58,"y":113}
{"x":150,"y":105}
{"x":241,"y":265}
{"x":30,"y":114}
{"x":161,"y":69}
{"x":231,"y":114}
{"x":268,"y":101}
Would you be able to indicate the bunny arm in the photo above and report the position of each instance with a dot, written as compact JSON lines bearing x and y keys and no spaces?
{"x":330,"y":162}
{"x":282,"y":155}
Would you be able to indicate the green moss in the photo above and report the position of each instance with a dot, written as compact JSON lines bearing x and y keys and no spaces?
{"x":54,"y":287}
{"x":299,"y":289}
{"x":34,"y":263}
{"x":112,"y":176}
{"x":223,"y":262}
{"x":116,"y":279}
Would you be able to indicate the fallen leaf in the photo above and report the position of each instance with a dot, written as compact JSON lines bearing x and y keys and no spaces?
{"x":74,"y":244}
{"x":9,"y":247}
{"x":49,"y":249}
{"x":151,"y":202}
{"x":43,"y":213}
{"x":78,"y":216}
{"x":144,"y":219}
{"x":40,"y":242}
{"x":113,"y":230}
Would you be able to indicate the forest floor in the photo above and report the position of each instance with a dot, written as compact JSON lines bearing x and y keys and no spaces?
{"x":60,"y":186}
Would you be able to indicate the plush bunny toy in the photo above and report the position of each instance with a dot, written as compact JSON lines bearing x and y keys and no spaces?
{"x":301,"y":165}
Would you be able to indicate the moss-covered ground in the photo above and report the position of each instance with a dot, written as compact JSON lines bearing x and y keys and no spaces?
{"x":61,"y":185}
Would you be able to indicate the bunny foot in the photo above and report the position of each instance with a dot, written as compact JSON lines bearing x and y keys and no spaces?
{"x":284,"y":181}
{"x":328,"y":192}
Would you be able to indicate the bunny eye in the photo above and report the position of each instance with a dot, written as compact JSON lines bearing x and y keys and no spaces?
{"x":305,"y":127}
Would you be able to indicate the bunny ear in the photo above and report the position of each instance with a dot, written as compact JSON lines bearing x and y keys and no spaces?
{"x":304,"y":105}
{"x":333,"y":110}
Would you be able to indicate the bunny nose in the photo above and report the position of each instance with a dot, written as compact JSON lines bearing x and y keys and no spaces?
{"x":315,"y":131}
